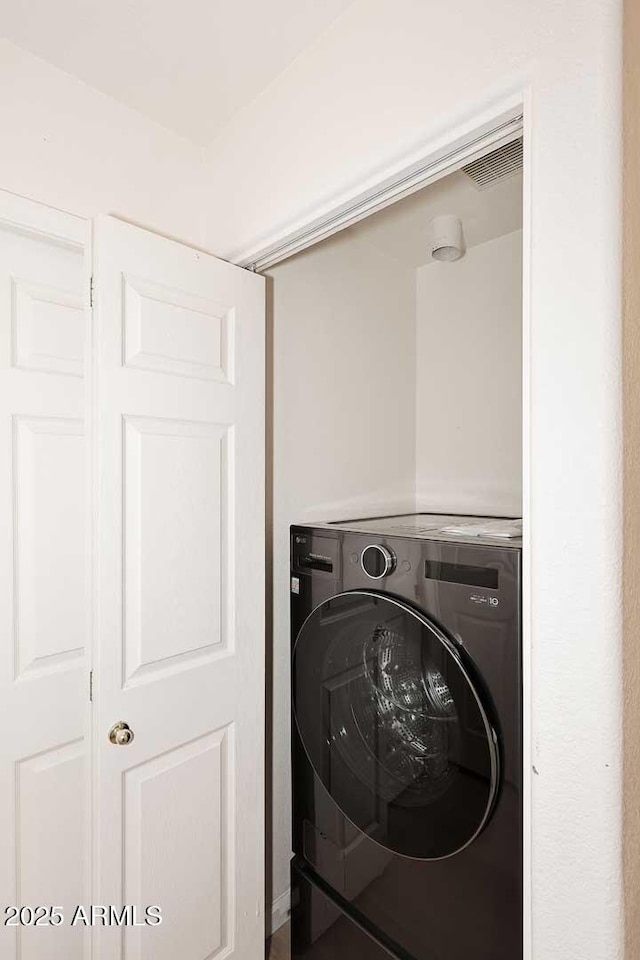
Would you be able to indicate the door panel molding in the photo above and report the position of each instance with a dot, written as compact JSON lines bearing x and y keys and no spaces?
{"x":148,"y":620}
{"x":149,"y":792}
{"x":172,"y":331}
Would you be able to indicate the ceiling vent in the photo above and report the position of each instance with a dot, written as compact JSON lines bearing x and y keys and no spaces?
{"x":498,"y":165}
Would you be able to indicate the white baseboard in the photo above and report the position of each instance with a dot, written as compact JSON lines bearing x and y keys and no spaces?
{"x":280,"y":909}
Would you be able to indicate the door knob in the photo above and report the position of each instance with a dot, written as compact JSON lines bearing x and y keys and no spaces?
{"x":121,"y":734}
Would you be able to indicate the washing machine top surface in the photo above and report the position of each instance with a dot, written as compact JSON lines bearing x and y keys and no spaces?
{"x":489,"y":531}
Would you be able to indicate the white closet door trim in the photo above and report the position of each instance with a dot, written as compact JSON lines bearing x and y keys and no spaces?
{"x":433,"y":165}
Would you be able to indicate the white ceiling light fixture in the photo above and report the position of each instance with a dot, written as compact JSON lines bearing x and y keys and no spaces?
{"x":446,"y":238}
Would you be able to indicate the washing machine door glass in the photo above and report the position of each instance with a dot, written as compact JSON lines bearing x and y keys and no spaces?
{"x":394,"y":724}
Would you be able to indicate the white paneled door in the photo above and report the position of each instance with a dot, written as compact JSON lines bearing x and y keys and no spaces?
{"x":131,"y":594}
{"x":44,"y":583}
{"x":178,"y":813}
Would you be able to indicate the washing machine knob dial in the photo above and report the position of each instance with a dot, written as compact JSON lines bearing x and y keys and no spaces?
{"x":377,"y":561}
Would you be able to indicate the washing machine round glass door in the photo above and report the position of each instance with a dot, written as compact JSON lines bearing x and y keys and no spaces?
{"x":394,"y":725}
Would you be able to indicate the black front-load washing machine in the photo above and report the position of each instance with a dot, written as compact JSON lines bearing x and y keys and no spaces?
{"x":407,"y":741}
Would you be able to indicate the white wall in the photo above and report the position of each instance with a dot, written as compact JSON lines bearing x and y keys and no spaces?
{"x":69,"y":146}
{"x":397,"y":77}
{"x":469,"y":381}
{"x":343,"y":342}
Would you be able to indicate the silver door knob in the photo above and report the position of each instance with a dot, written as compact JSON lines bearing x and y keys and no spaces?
{"x":121,"y":734}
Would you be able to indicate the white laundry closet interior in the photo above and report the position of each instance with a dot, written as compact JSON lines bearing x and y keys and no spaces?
{"x":395,"y":386}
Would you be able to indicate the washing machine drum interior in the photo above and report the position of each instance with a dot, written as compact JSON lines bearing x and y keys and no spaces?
{"x":393,"y":724}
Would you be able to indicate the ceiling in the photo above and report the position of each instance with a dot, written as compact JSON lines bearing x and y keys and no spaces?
{"x":188,"y":64}
{"x":401,"y":230}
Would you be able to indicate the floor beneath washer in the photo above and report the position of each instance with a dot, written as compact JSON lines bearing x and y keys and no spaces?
{"x":278,"y":945}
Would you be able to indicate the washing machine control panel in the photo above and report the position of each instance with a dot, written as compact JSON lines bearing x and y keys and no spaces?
{"x":377,"y":561}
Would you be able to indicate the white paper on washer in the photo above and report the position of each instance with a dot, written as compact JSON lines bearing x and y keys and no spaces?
{"x":501,"y":529}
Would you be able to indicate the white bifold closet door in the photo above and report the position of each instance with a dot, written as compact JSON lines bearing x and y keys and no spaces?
{"x":132,"y":504}
{"x":45,"y":610}
{"x":178,"y":817}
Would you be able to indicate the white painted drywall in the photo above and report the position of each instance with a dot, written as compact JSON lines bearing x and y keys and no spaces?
{"x":343,"y":338}
{"x":469,"y":381}
{"x":67,"y":145}
{"x":177,"y":63}
{"x":391,"y":79}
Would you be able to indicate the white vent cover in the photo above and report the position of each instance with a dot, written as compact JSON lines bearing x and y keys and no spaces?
{"x":497,"y":165}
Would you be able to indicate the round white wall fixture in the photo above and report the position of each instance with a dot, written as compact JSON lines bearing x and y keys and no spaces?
{"x":446,"y":239}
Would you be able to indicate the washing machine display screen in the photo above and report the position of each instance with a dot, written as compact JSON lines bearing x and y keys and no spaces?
{"x":393,"y":724}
